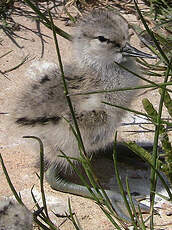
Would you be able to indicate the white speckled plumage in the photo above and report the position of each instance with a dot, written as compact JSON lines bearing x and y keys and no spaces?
{"x":98,"y":43}
{"x":93,"y":69}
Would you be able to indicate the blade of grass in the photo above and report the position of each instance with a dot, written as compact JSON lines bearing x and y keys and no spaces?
{"x":155,"y":146}
{"x":112,"y":220}
{"x":142,"y":223}
{"x":159,"y":85}
{"x":41,"y":171}
{"x":42,"y":216}
{"x":72,"y":217}
{"x":80,"y":175}
{"x":65,"y":85}
{"x":9,"y":182}
{"x":135,"y":111}
{"x":16,"y":195}
{"x":131,"y":202}
{"x":66,"y":93}
{"x":151,"y":66}
{"x":41,"y":224}
{"x":97,"y":197}
{"x":127,"y":109}
{"x":75,"y":134}
{"x":120,"y":184}
{"x":70,"y":103}
{"x":35,"y":201}
{"x":162,"y":196}
{"x":17,"y":66}
{"x":92,"y":178}
{"x":134,"y":147}
{"x":143,"y":78}
{"x":6,"y":53}
{"x":47,"y":23}
{"x":165,"y":58}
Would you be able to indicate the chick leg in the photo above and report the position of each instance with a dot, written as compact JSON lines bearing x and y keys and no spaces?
{"x":60,"y":184}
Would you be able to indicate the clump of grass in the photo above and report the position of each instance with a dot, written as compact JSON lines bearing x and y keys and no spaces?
{"x":159,"y":7}
{"x":5,"y":6}
{"x":165,"y":165}
{"x":158,"y":15}
{"x":156,"y":117}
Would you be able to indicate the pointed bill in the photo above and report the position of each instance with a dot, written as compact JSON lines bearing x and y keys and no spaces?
{"x":129,"y":50}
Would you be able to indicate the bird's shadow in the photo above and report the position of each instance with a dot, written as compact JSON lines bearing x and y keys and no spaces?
{"x":129,"y":165}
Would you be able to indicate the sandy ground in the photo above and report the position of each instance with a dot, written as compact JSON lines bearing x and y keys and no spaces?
{"x":35,"y":40}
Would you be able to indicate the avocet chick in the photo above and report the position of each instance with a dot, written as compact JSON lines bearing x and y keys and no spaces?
{"x":14,"y":216}
{"x":101,"y":40}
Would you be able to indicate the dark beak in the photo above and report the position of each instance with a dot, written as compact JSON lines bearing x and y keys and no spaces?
{"x":129,"y":50}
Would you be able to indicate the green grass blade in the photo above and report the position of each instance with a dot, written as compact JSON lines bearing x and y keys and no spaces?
{"x":10,"y":183}
{"x":158,"y":85}
{"x":136,"y":149}
{"x":72,"y":217}
{"x":41,"y":171}
{"x":120,"y":184}
{"x":47,"y":22}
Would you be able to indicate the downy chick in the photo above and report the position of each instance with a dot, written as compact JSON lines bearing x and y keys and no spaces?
{"x":101,"y":40}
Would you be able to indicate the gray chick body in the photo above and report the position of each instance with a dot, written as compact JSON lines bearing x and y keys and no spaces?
{"x":41,"y":105}
{"x":14,"y":216}
{"x":41,"y":108}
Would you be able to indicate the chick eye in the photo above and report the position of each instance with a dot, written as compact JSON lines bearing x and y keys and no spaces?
{"x":102,"y":39}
